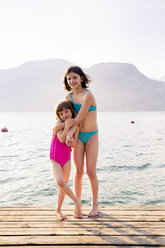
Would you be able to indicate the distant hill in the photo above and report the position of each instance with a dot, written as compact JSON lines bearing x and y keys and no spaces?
{"x":162,"y":79}
{"x":37,"y":86}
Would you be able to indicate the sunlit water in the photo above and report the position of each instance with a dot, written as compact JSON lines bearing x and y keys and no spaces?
{"x":130,"y":168}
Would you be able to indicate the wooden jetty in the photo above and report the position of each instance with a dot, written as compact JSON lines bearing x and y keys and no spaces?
{"x":116,"y":226}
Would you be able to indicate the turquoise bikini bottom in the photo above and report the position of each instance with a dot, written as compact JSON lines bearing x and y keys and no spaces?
{"x":85,"y":136}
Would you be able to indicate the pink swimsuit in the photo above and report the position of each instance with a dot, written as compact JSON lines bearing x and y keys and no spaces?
{"x":59,"y":152}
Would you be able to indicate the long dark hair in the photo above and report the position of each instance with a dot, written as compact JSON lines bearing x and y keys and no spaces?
{"x":76,"y":69}
{"x":66,"y":104}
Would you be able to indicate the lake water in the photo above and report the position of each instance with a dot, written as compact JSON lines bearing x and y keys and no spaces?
{"x":130,"y":168}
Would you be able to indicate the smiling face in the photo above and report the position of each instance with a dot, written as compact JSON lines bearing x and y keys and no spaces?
{"x":65,"y":114}
{"x":74,"y":80}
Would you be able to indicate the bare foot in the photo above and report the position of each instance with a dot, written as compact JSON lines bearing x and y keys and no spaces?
{"x":60,"y":216}
{"x":94,"y":212}
{"x":77,"y":212}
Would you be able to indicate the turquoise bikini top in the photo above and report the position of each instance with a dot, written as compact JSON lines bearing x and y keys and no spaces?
{"x":77,"y":106}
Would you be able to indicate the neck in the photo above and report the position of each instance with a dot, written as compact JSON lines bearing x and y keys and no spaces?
{"x":78,"y":90}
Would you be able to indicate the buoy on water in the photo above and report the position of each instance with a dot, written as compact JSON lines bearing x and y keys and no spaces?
{"x":4,"y":129}
{"x":132,"y":122}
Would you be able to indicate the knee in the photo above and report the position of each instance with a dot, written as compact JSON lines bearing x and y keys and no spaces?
{"x":91,"y":173}
{"x":79,"y":172}
{"x":60,"y":183}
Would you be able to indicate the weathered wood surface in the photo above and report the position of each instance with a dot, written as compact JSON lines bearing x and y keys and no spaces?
{"x":116,"y":226}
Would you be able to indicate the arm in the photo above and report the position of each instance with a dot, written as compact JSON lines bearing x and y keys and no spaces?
{"x":87,"y":101}
{"x":69,"y":136}
{"x":73,"y":141}
{"x":59,"y":125}
{"x":63,"y":133}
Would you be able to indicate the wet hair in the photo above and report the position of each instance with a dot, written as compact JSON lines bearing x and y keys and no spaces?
{"x":76,"y":69}
{"x":66,"y":104}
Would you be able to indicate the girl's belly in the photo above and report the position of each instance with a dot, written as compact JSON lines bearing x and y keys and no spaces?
{"x":88,"y":124}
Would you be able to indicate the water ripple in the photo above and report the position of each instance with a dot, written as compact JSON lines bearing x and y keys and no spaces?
{"x":125,"y":167}
{"x":130,"y":166}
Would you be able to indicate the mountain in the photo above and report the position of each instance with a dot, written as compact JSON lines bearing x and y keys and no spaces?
{"x":33,"y":86}
{"x":123,"y":88}
{"x":38,"y":86}
{"x":162,"y":79}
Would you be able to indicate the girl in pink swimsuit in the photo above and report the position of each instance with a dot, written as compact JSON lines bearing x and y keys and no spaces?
{"x":60,"y":157}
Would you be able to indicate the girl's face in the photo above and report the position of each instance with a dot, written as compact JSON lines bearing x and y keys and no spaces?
{"x":74,"y":80}
{"x":65,"y":114}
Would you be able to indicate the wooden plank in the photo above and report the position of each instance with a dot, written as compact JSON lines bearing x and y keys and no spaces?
{"x":85,"y":219}
{"x":70,"y":213}
{"x":70,"y":246}
{"x":80,"y":246}
{"x":71,"y":208}
{"x":82,"y":231}
{"x":92,"y":224}
{"x":115,"y":226}
{"x":83,"y":240}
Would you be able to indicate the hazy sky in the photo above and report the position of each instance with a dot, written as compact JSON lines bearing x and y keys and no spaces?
{"x":85,"y":32}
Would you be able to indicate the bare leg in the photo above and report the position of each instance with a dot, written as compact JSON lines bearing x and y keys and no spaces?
{"x":57,"y":173}
{"x":61,"y":194}
{"x":78,"y":155}
{"x":91,"y":149}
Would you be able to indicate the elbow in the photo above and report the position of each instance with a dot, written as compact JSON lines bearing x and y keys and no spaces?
{"x":54,"y":129}
{"x":61,"y":140}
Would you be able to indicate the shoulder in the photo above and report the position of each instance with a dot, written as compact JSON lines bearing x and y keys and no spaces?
{"x":58,"y":121}
{"x":88,"y":94}
{"x":89,"y":97}
{"x":67,"y":97}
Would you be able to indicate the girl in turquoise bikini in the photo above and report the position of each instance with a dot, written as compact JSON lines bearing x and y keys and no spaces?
{"x":76,"y":82}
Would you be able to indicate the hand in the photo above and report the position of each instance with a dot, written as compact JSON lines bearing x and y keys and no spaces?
{"x":69,"y":141}
{"x":69,"y":123}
